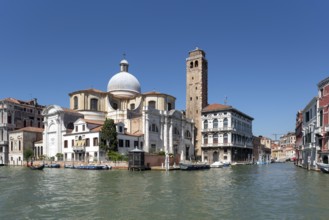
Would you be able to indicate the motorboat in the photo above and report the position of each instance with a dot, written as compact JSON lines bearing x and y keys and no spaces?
{"x":217,"y":164}
{"x":89,"y":167}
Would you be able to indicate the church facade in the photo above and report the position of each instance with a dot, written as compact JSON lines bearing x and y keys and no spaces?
{"x":147,"y":121}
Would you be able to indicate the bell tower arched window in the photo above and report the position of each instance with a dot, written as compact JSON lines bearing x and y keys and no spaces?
{"x":196,"y":63}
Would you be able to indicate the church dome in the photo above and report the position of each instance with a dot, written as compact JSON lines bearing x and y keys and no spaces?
{"x":124,"y":84}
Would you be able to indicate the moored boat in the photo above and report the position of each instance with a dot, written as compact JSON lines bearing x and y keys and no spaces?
{"x":53,"y":165}
{"x":193,"y":166}
{"x":39,"y":167}
{"x":217,"y":164}
{"x":324,"y":167}
{"x":89,"y":167}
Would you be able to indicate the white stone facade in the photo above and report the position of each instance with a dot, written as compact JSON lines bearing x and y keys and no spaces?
{"x":310,"y":140}
{"x":227,"y":134}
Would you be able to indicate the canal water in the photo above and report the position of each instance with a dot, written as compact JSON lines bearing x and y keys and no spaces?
{"x":275,"y":191}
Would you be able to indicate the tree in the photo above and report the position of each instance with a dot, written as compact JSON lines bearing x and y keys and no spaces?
{"x":27,"y":154}
{"x":108,"y":136}
{"x":59,"y":156}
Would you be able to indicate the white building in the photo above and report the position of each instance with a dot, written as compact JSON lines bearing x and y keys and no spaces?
{"x":310,"y":140}
{"x":227,"y":134}
{"x":147,"y":118}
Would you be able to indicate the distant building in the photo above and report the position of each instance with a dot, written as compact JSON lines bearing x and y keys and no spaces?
{"x":226,"y":134}
{"x":20,"y":140}
{"x":299,"y":138}
{"x":16,"y":114}
{"x":286,"y":149}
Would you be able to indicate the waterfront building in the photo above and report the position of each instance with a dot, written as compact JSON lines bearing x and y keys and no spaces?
{"x":196,"y":92}
{"x":310,"y":146}
{"x":227,"y":134}
{"x":16,"y":114}
{"x":299,"y":138}
{"x":322,"y":130}
{"x":20,"y":140}
{"x":148,"y":120}
{"x":262,"y":148}
{"x":286,"y":147}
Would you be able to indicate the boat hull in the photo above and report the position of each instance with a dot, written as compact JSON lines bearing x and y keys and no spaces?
{"x":187,"y":166}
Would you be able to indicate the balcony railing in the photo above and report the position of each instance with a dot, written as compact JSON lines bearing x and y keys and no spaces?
{"x":241,"y":145}
{"x":78,"y":148}
{"x":218,"y":129}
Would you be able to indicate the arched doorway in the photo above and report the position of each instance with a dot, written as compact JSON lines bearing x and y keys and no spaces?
{"x":215,"y":156}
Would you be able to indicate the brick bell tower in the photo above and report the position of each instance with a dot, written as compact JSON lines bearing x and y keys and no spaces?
{"x":196,"y":92}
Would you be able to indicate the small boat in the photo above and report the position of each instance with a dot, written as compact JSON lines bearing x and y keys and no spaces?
{"x":193,"y":166}
{"x":40,"y":167}
{"x":89,"y":167}
{"x":53,"y":165}
{"x":324,"y":167}
{"x":217,"y":164}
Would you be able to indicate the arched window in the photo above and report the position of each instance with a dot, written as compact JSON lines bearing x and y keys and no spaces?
{"x":115,"y":105}
{"x":151,"y":104}
{"x":205,"y":124}
{"x":94,"y":104}
{"x":215,"y":123}
{"x":176,"y":131}
{"x":196,"y":63}
{"x":75,"y":100}
{"x":215,"y":139}
{"x":205,"y":139}
{"x":95,"y":141}
{"x":225,"y":138}
{"x":225,"y":122}
{"x":191,"y":64}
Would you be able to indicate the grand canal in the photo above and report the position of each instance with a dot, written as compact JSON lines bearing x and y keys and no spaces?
{"x":275,"y":191}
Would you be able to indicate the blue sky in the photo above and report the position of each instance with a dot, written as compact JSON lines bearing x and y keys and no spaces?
{"x":265,"y":56}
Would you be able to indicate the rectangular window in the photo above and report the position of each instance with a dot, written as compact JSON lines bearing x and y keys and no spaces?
{"x":153,"y":148}
{"x":136,"y":144}
{"x":95,"y":154}
{"x":120,"y":143}
{"x":83,"y":127}
{"x":141,"y":144}
{"x":127,"y":143}
{"x":72,"y":142}
{"x":95,"y":142}
{"x":76,"y":128}
{"x":87,"y":142}
{"x":65,"y":144}
{"x":65,"y":156}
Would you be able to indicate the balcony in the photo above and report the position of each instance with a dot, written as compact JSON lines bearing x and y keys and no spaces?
{"x":218,"y":129}
{"x":78,"y":149}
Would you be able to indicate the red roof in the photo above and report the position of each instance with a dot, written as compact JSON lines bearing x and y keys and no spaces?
{"x":216,"y":107}
{"x":31,"y":129}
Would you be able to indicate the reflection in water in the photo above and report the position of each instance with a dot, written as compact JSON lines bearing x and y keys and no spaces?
{"x":276,"y":191}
